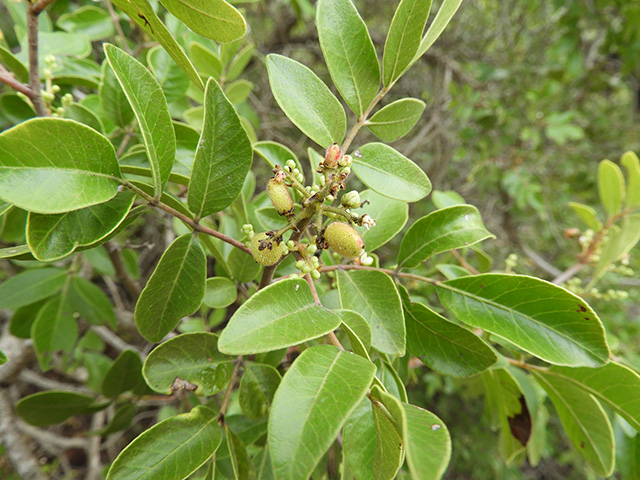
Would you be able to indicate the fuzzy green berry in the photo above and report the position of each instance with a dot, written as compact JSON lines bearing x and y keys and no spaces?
{"x":279,"y":195}
{"x":343,"y":239}
{"x":265,"y":250}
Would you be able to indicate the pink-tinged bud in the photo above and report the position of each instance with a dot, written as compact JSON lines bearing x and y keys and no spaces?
{"x":279,"y":195}
{"x":265,"y":250}
{"x":332,"y":156}
{"x":343,"y":239}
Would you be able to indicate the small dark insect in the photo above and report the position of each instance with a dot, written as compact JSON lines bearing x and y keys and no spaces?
{"x":146,"y":22}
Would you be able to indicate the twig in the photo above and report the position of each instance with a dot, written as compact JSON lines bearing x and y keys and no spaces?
{"x":16,"y":85}
{"x":363,"y":119}
{"x":464,"y":263}
{"x":112,"y":339}
{"x":121,"y":272}
{"x":227,"y":393}
{"x":33,"y":378}
{"x":94,"y":465}
{"x":34,"y":70}
{"x":40,"y":6}
{"x":50,"y":441}
{"x":331,"y":335}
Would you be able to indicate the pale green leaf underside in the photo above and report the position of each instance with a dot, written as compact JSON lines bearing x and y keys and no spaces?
{"x":306,"y":100}
{"x":445,"y":229}
{"x":610,"y":187}
{"x":171,"y":449}
{"x":537,"y":316}
{"x":150,"y":107}
{"x":214,"y":19}
{"x":397,"y":119}
{"x":632,"y":165}
{"x":428,"y":443}
{"x":174,"y":290}
{"x":441,"y":20}
{"x":281,"y":315}
{"x":390,"y":216}
{"x":314,"y":399}
{"x":51,"y":165}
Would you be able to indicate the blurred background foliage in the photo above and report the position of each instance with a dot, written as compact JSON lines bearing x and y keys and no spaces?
{"x":524,"y":99}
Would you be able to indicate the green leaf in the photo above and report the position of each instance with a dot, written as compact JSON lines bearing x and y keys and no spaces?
{"x":390,"y":423}
{"x":358,"y":331}
{"x":444,"y":346}
{"x":537,"y":316}
{"x":257,"y":387}
{"x":150,"y":107}
{"x":316,"y":396}
{"x":14,"y":65}
{"x":348,"y":52}
{"x":397,"y":119}
{"x":92,"y":21}
{"x":610,"y":187}
{"x":55,"y":328}
{"x":121,"y":420}
{"x":175,"y":289}
{"x":587,"y":215}
{"x":427,"y":443}
{"x":223,"y":158}
{"x":52,"y":237}
{"x":51,"y":165}
{"x":123,"y":374}
{"x":448,"y":198}
{"x":82,"y":114}
{"x":51,"y":407}
{"x":275,"y":153}
{"x":220,"y":292}
{"x":173,"y":81}
{"x":374,"y":296}
{"x":23,"y":319}
{"x":171,"y":449}
{"x":141,"y":12}
{"x":613,"y":384}
{"x":632,"y":164}
{"x":281,"y":315}
{"x":91,"y":302}
{"x":206,"y":62}
{"x":192,"y":358}
{"x":115,"y":106}
{"x":306,"y":100}
{"x":359,"y":441}
{"x":238,"y":91}
{"x":506,"y":408}
{"x":388,"y":172}
{"x":3,"y":358}
{"x":446,"y":229}
{"x":214,"y":19}
{"x":447,"y":10}
{"x":404,"y":37}
{"x":30,"y":286}
{"x":242,"y":266}
{"x":390,"y":216}
{"x":243,"y":468}
{"x":240,"y":62}
{"x":584,"y":420}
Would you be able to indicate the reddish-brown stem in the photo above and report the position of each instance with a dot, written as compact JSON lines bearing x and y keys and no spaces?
{"x":34,"y":71}
{"x":16,"y":85}
{"x":39,"y":6}
{"x":331,"y":336}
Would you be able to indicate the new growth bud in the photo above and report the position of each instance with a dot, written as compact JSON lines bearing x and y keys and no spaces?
{"x":265,"y":250}
{"x":345,"y":161}
{"x":332,"y":156}
{"x":279,"y":195}
{"x":343,"y":239}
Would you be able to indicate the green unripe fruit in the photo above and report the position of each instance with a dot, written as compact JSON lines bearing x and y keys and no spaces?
{"x":343,"y":239}
{"x":265,"y":250}
{"x":279,"y":195}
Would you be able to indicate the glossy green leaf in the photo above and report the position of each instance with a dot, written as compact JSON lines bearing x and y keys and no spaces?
{"x":223,"y":158}
{"x":588,"y":215}
{"x":150,"y":107}
{"x":583,"y":419}
{"x":115,"y":106}
{"x":397,"y":119}
{"x":123,"y":374}
{"x":348,"y":52}
{"x":173,"y":81}
{"x":444,"y":346}
{"x":55,"y":328}
{"x":448,"y":8}
{"x":82,"y":114}
{"x":359,"y":441}
{"x":175,"y":289}
{"x":214,"y":19}
{"x":447,"y":198}
{"x":257,"y":387}
{"x":505,"y":406}
{"x":374,"y":296}
{"x":14,"y":65}
{"x":171,"y":449}
{"x":427,"y":443}
{"x":30,"y":286}
{"x":15,"y":109}
{"x":192,"y":358}
{"x":390,"y":216}
{"x":220,"y":292}
{"x":632,"y":165}
{"x":390,"y":423}
{"x":121,"y":420}
{"x":446,"y":229}
{"x":41,"y":173}
{"x":281,"y":315}
{"x":51,"y":237}
{"x":537,"y":316}
{"x":316,"y":396}
{"x":23,"y":319}
{"x":306,"y":100}
{"x":92,"y":21}
{"x":51,"y":407}
{"x":388,"y":172}
{"x":91,"y":302}
{"x":242,"y":466}
{"x":404,"y":37}
{"x":610,"y":187}
{"x":613,"y":384}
